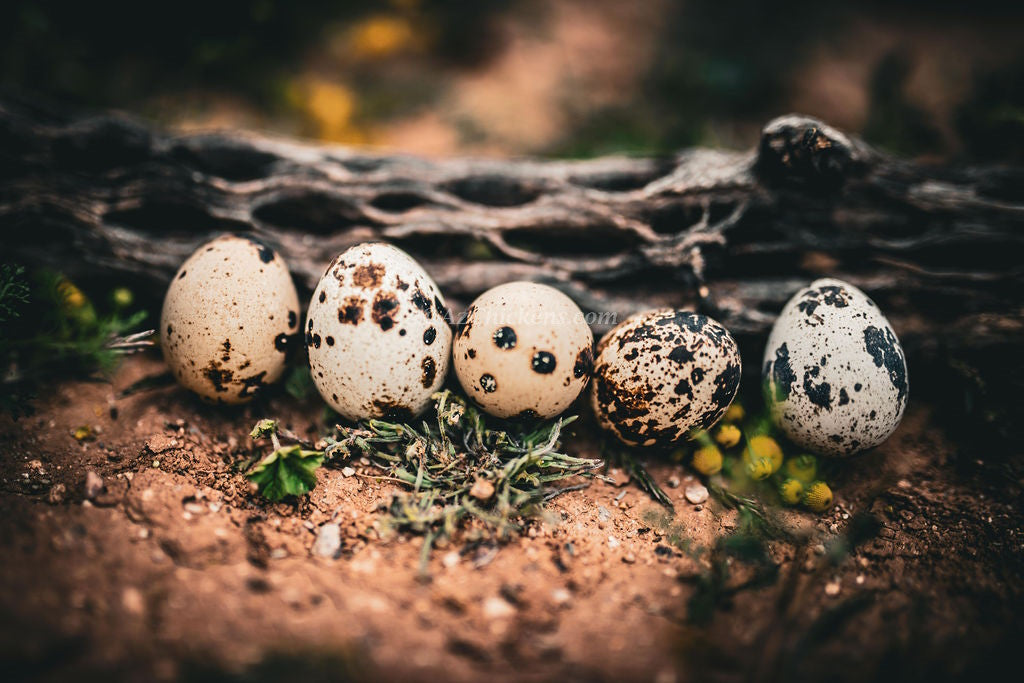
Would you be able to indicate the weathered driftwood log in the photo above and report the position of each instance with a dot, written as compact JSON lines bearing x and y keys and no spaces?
{"x":940,"y":248}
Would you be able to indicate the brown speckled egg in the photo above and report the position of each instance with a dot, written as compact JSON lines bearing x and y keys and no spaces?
{"x":524,"y":349}
{"x":378,"y":334}
{"x":834,"y":373}
{"x":228,"y":318}
{"x":661,"y":373}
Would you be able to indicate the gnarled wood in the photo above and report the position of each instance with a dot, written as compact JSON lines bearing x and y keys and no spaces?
{"x":735,"y":233}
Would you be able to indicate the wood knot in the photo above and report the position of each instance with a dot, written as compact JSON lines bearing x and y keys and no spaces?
{"x":802,"y":150}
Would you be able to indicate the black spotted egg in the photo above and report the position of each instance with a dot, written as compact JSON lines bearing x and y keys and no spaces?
{"x":834,"y":374}
{"x":377,"y":333}
{"x":228,"y":319}
{"x":661,"y":373}
{"x":523,"y":350}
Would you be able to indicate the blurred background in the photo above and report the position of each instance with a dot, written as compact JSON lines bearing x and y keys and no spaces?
{"x":938,"y":79}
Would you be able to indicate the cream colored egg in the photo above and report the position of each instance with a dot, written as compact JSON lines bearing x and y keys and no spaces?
{"x":524,"y":349}
{"x":661,"y":373}
{"x":835,"y":375}
{"x":378,"y":334}
{"x":228,"y":318}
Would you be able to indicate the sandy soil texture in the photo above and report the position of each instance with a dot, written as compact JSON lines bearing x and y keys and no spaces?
{"x":145,"y":555}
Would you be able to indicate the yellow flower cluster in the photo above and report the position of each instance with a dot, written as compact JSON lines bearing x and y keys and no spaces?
{"x":758,"y":457}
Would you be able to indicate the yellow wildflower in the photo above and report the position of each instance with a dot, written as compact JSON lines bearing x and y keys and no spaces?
{"x":735,"y":413}
{"x":381,"y":36}
{"x":791,"y":491}
{"x":759,"y":468}
{"x":707,"y":460}
{"x":802,"y":468}
{"x":818,"y":497}
{"x":728,"y":436}
{"x":764,"y":447}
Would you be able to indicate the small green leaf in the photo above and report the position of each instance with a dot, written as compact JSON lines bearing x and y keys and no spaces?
{"x":13,"y":291}
{"x":287,"y":471}
{"x":264,"y":428}
{"x":299,"y":383}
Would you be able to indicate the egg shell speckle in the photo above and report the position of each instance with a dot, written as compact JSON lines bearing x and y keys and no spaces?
{"x":378,"y":334}
{"x":834,"y":373}
{"x":661,"y":373}
{"x":524,"y":349}
{"x":228,"y":319}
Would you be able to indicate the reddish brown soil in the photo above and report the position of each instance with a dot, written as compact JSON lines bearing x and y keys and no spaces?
{"x":177,"y":570}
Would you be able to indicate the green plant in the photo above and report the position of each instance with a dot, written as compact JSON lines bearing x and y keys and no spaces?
{"x":288,"y":471}
{"x":457,"y":464}
{"x":49,"y":328}
{"x":13,"y":291}
{"x":640,"y":476}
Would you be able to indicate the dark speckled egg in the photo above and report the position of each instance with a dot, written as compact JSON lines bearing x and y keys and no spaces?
{"x":524,"y":349}
{"x":662,"y":373}
{"x":834,"y":373}
{"x":229,"y":317}
{"x":377,"y":334}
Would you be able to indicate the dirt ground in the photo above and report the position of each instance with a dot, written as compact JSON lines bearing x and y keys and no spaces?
{"x":176,"y":570}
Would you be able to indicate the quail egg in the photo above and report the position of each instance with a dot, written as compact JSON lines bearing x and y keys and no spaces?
{"x":834,"y":375}
{"x":524,"y":349}
{"x":663,"y":372}
{"x":378,"y":334}
{"x":229,"y":316}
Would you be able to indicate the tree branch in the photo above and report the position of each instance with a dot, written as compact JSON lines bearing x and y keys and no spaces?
{"x":735,"y":233}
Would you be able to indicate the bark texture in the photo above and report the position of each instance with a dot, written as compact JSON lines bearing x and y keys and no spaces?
{"x":940,"y":248}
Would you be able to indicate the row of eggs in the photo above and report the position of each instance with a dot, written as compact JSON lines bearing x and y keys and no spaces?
{"x":380,"y":343}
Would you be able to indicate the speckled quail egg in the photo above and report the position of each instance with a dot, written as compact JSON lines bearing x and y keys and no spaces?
{"x":661,"y":373}
{"x":834,"y":375}
{"x":228,"y":317}
{"x":378,"y":334}
{"x":524,"y":349}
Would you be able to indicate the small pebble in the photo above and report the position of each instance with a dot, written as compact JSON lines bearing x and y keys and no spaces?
{"x":348,"y":471}
{"x":832,"y":589}
{"x":561,"y":596}
{"x":629,"y":558}
{"x":613,"y":542}
{"x":603,"y":514}
{"x":673,"y":482}
{"x":482,"y":489}
{"x":57,"y":493}
{"x":498,"y":608}
{"x":93,"y":485}
{"x":132,"y":601}
{"x":328,"y":541}
{"x":450,"y":559}
{"x":696,"y":493}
